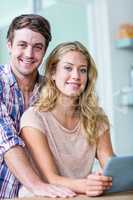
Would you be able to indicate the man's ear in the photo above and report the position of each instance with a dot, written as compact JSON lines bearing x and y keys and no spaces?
{"x":9,"y":46}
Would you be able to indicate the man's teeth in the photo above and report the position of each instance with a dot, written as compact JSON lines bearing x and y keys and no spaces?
{"x":27,"y":61}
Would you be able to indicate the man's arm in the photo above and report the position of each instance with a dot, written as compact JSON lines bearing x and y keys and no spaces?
{"x":19,"y":165}
{"x":8,"y":133}
{"x":12,"y":151}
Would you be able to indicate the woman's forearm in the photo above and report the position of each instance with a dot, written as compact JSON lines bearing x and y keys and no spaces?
{"x":77,"y":185}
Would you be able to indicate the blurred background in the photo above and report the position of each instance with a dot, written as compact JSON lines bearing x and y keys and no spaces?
{"x":102,"y":26}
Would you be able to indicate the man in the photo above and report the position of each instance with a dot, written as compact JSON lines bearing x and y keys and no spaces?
{"x":27,"y":39}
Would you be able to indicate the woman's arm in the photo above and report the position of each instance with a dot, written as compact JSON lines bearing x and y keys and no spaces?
{"x":99,"y":182}
{"x":37,"y":143}
{"x":104,"y":148}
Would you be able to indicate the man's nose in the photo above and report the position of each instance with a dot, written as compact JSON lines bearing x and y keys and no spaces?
{"x":29,"y":51}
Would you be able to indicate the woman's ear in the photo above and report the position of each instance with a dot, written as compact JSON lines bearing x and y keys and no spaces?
{"x":53,"y":76}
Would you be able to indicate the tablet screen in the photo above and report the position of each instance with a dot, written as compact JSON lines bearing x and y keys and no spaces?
{"x":121,"y":170}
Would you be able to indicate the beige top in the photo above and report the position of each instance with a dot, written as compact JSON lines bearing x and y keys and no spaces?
{"x":73,"y":155}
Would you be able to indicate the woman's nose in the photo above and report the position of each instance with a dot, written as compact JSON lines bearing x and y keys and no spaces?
{"x":75,"y":74}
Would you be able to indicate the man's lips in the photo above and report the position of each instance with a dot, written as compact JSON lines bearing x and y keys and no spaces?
{"x":27,"y":61}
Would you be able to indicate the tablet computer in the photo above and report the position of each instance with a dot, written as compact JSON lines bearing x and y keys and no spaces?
{"x":120,"y":168}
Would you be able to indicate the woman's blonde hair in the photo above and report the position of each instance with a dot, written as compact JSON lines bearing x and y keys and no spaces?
{"x":90,"y":113}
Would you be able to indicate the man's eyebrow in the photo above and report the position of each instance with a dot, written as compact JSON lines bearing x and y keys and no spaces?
{"x":22,"y":41}
{"x":37,"y":43}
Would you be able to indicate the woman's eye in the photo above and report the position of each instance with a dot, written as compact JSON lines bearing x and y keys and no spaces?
{"x":83,"y":70}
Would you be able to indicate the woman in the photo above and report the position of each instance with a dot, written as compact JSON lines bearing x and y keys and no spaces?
{"x":66,"y":129}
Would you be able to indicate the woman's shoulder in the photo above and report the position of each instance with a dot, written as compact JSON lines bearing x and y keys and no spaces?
{"x":32,"y":110}
{"x":32,"y":113}
{"x":33,"y":118}
{"x":29,"y":112}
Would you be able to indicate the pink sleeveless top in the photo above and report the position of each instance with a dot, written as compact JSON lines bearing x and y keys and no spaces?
{"x":73,"y":155}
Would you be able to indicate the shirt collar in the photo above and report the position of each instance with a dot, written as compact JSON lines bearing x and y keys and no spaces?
{"x":12,"y":79}
{"x":8,"y":71}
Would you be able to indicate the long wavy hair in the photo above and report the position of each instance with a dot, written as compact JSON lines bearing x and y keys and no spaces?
{"x":87,"y":104}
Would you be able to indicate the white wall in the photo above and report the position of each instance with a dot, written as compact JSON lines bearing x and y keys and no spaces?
{"x":120,"y":11}
{"x":113,"y":67}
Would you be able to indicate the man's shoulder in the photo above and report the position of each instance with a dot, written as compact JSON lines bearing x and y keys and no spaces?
{"x":1,"y":79}
{"x":2,"y":72}
{"x":5,"y":77}
{"x":3,"y":69}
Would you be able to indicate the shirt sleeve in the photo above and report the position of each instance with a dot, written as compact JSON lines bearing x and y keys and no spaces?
{"x":32,"y":118}
{"x":8,"y":135}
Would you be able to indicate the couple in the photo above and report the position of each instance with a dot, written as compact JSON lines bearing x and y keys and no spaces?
{"x":51,"y":150}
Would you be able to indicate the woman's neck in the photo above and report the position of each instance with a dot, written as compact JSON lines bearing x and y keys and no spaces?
{"x":66,"y":105}
{"x":66,"y":112}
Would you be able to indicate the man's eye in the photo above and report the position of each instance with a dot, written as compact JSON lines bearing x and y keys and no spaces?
{"x":38,"y":47}
{"x":68,"y":68}
{"x":22,"y":45}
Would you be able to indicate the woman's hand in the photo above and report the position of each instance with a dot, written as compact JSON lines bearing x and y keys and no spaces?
{"x":94,"y":185}
{"x":97,"y":183}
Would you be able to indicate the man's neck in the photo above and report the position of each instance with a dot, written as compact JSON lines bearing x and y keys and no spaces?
{"x":27,"y":83}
